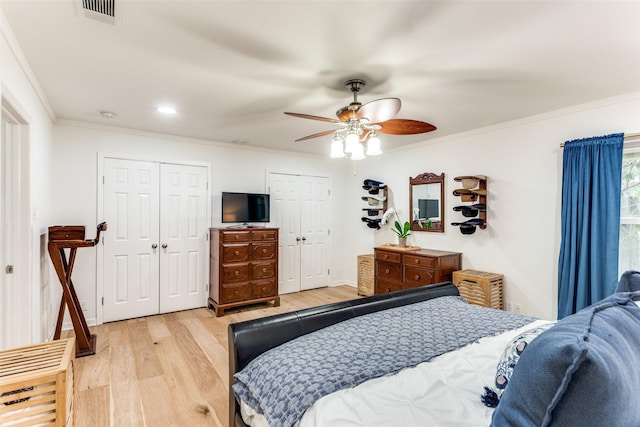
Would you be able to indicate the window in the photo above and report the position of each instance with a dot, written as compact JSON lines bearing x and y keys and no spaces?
{"x":629,"y":258}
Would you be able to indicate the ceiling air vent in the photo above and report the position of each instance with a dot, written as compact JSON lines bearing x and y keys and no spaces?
{"x":102,"y":10}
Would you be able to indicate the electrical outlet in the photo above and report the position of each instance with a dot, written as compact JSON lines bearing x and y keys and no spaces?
{"x":517,"y":308}
{"x":509,"y":306}
{"x":83,"y":305}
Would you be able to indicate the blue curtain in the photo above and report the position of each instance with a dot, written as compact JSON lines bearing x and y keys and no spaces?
{"x":590,"y":227}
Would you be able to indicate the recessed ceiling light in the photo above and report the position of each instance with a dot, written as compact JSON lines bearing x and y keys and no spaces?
{"x":165,"y":109}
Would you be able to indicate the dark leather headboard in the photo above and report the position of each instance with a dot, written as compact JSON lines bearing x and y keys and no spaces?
{"x":249,"y":339}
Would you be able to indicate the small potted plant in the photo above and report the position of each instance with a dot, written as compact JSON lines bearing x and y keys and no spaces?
{"x":402,"y":230}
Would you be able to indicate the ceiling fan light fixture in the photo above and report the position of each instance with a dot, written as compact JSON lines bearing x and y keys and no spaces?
{"x":337,"y":151}
{"x":361,"y":122}
{"x":373,"y":145}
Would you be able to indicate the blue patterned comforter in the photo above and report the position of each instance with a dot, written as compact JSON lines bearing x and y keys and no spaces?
{"x":285,"y":381}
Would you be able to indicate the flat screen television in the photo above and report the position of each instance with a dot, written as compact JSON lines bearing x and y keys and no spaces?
{"x":245,"y":207}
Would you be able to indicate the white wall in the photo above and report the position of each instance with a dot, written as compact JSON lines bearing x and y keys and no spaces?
{"x":523,"y":162}
{"x":233,"y":168}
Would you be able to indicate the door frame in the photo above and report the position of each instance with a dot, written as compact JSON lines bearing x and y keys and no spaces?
{"x":101,"y":156}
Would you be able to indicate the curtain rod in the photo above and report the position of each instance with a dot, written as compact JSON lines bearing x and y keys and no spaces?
{"x":626,"y":135}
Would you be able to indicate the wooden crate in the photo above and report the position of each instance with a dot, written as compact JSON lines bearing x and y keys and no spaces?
{"x":480,"y":287}
{"x":366,"y":267}
{"x":36,"y":384}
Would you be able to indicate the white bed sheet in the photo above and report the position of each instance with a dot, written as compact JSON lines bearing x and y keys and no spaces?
{"x":442,"y":392}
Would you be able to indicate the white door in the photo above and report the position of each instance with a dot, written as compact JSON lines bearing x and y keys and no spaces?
{"x":20,"y":315}
{"x":299,"y":208}
{"x":131,"y":242}
{"x":314,"y":228}
{"x":183,"y":231}
{"x":285,"y":213}
{"x":155,"y":248}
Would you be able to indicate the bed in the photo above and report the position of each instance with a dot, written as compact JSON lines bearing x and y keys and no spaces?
{"x":423,"y":356}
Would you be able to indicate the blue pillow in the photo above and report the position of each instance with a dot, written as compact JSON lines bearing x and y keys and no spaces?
{"x":584,"y":371}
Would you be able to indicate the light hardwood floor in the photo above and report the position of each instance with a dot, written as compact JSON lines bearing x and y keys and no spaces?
{"x":170,"y":369}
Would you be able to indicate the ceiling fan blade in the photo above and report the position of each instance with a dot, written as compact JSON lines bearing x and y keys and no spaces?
{"x":315,"y":135}
{"x":405,"y":127}
{"x":308,"y":116}
{"x":379,"y":110}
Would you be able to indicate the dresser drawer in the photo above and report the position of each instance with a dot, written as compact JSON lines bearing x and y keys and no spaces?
{"x":388,"y":271}
{"x":263,"y":250}
{"x":419,"y":261}
{"x":233,"y":292}
{"x":384,"y":286}
{"x":235,"y":253}
{"x":235,"y":236}
{"x":388,"y":256}
{"x":263,"y":270}
{"x":264,"y":235}
{"x":418,"y":276}
{"x":235,"y":273}
{"x":265,"y":288}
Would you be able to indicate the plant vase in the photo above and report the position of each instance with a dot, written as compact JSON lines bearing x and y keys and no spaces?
{"x":402,"y":242}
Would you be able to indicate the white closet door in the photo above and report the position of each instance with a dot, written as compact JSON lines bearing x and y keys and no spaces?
{"x":131,"y":262}
{"x":300,"y":209}
{"x":314,"y":228}
{"x":183,"y":230}
{"x":285,"y":214}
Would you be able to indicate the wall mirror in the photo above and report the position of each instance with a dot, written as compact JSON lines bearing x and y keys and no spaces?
{"x":426,"y":202}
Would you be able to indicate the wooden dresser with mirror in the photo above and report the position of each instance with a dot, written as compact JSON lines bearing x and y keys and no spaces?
{"x":401,"y":269}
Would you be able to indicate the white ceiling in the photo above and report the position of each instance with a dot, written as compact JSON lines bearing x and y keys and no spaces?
{"x":231,"y":68}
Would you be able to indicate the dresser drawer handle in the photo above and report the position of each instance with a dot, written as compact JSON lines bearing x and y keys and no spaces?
{"x":386,"y":257}
{"x":264,"y":288}
{"x":264,"y":250}
{"x":236,"y":292}
{"x":236,"y":253}
{"x":386,"y":271}
{"x":236,"y":237}
{"x":264,"y":236}
{"x":264,"y":269}
{"x":236,"y":273}
{"x":417,"y":277}
{"x":417,"y":261}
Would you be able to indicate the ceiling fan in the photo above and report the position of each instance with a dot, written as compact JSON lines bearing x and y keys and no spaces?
{"x":360,"y":123}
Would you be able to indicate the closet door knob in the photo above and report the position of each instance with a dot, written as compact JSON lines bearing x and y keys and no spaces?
{"x":164,"y":246}
{"x":154,"y":246}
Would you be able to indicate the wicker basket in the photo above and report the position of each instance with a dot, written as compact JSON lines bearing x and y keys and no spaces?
{"x":36,"y":384}
{"x":480,"y":287}
{"x":366,"y":268}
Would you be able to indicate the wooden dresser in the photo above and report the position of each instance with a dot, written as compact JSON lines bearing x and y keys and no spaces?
{"x":402,"y":269}
{"x":243,"y":268}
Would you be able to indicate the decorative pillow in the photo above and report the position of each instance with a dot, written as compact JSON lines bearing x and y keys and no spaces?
{"x":508,"y":361}
{"x":629,"y":281}
{"x":582,"y":372}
